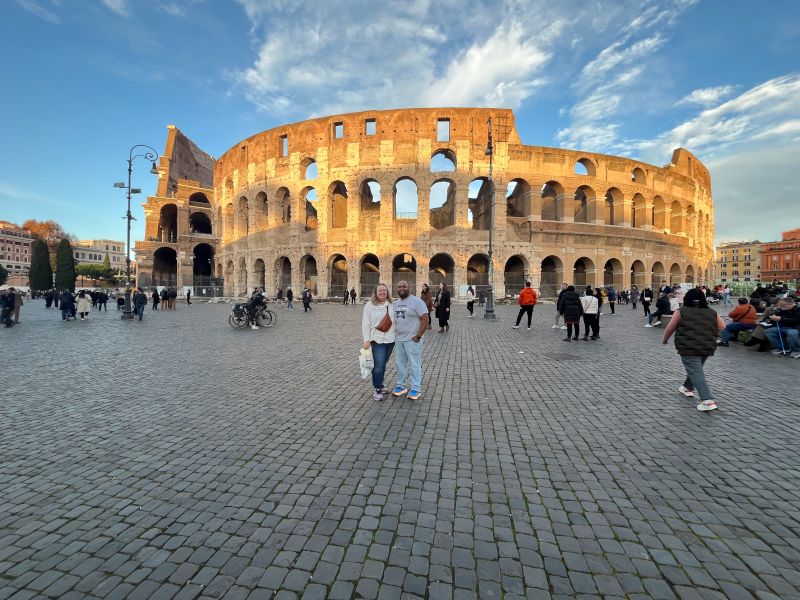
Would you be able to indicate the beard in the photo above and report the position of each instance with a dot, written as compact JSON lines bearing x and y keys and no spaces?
{"x":403,"y":293}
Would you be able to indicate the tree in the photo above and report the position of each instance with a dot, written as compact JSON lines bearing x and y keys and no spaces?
{"x":3,"y":275}
{"x":41,"y":273}
{"x":49,"y":231}
{"x":65,"y":267}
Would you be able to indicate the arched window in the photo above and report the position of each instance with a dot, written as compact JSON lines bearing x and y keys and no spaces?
{"x":518,"y":198}
{"x":613,"y":206}
{"x":406,"y":199}
{"x":585,"y":166}
{"x":552,"y":193}
{"x":443,"y":204}
{"x":480,"y":202}
{"x":443,"y":160}
{"x":309,"y":167}
{"x":309,"y":197}
{"x":638,"y":176}
{"x":337,"y":193}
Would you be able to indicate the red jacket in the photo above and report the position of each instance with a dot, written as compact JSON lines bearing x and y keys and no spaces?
{"x":527,"y":297}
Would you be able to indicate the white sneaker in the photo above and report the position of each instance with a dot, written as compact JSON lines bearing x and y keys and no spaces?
{"x":563,"y":327}
{"x":687,"y":393}
{"x":707,"y":405}
{"x":530,"y":329}
{"x":658,"y":324}
{"x":253,"y":326}
{"x":515,"y":327}
{"x":647,"y":325}
{"x":554,"y":327}
{"x":795,"y":354}
{"x":774,"y":351}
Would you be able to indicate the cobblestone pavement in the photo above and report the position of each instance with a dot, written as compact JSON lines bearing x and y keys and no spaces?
{"x":178,"y":458}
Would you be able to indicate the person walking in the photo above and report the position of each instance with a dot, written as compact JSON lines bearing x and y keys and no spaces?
{"x":470,"y":302}
{"x":102,"y":302}
{"x":353,"y":296}
{"x":156,"y":300}
{"x":410,"y":324}
{"x":634,"y":296}
{"x":7,"y":306}
{"x":377,"y":337}
{"x":67,"y":301}
{"x":426,"y":295}
{"x":569,"y":306}
{"x":726,"y":296}
{"x":442,"y":306}
{"x":558,"y":300}
{"x":646,"y":298}
{"x":188,"y":296}
{"x":84,"y":305}
{"x":695,"y":326}
{"x":289,"y":298}
{"x":591,"y":317}
{"x":527,"y":300}
{"x":306,"y":298}
{"x":139,"y":302}
{"x":17,"y":304}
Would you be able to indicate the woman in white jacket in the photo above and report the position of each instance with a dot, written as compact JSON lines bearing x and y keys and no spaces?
{"x":382,"y":343}
{"x":591,"y":308}
{"x":84,"y":305}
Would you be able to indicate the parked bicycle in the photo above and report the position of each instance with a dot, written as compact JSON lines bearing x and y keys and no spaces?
{"x":240,"y":317}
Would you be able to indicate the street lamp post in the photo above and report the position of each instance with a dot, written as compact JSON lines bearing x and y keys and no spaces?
{"x":150,"y":154}
{"x":488,"y":312}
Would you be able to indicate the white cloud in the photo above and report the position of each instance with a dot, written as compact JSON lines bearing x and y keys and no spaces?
{"x":707,"y":96}
{"x":38,"y":9}
{"x":173,"y":9}
{"x":120,"y":7}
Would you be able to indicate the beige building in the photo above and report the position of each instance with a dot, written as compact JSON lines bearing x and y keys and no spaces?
{"x":349,"y":200}
{"x":15,"y":252}
{"x":94,"y":252}
{"x":738,"y":262}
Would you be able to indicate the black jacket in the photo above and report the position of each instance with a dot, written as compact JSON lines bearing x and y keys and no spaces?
{"x":790,"y":318}
{"x":662,"y":306}
{"x":570,"y":306}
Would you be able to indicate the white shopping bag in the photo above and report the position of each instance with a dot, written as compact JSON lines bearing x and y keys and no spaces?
{"x":365,"y":362}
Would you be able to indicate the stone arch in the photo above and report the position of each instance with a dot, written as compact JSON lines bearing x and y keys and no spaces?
{"x":309,"y":168}
{"x":370,"y":274}
{"x":676,"y":218}
{"x":479,"y":203}
{"x":337,"y":268}
{"x":229,"y":279}
{"x":227,"y":222}
{"x":220,"y":272}
{"x":165,"y":267}
{"x":308,"y":196}
{"x":613,"y":274}
{"x":585,"y":166}
{"x":518,"y":198}
{"x":283,"y":274}
{"x":370,"y":197}
{"x":657,"y":219}
{"x":514,"y":273}
{"x":442,"y":203}
{"x":241,"y":223}
{"x":552,"y":196}
{"x":199,"y":223}
{"x":675,"y":274}
{"x":168,"y":224}
{"x":656,"y":276}
{"x":404,"y":268}
{"x":441,"y":268}
{"x":552,"y":270}
{"x":261,"y":211}
{"x":199,"y":199}
{"x":337,"y":205}
{"x":583,"y":273}
{"x":478,"y":272}
{"x":638,"y":176}
{"x":241,"y":278}
{"x":612,"y":207}
{"x":584,"y":197}
{"x":283,"y":200}
{"x":405,"y":198}
{"x":689,"y":278}
{"x":691,"y":221}
{"x":308,"y":271}
{"x":203,"y":260}
{"x":443,"y":160}
{"x":259,"y":273}
{"x":638,"y":206}
{"x":228,"y":194}
{"x":638,"y":278}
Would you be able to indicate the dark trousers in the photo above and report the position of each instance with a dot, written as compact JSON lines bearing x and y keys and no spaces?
{"x":573,"y":326}
{"x":591,"y":323}
{"x":525,"y":308}
{"x":611,"y":304}
{"x":646,"y":307}
{"x":471,"y":307}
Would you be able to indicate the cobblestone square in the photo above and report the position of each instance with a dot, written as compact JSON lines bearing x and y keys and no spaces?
{"x":179,"y":458}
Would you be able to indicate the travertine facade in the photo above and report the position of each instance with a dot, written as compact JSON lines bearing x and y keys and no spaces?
{"x":347,"y":200}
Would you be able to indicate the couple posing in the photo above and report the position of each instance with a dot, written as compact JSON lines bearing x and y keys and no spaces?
{"x":406,"y":324}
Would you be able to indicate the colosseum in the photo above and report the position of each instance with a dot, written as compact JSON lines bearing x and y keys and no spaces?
{"x":345,"y":201}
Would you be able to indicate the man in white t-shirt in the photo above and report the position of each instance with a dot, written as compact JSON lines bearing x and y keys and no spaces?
{"x":410,"y":324}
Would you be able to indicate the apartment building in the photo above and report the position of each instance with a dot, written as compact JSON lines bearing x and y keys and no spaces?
{"x":15,"y":251}
{"x":738,"y":262}
{"x":781,"y":260}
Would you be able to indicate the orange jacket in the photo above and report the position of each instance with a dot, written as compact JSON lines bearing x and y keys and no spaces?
{"x":744,"y":314}
{"x":527,"y":296}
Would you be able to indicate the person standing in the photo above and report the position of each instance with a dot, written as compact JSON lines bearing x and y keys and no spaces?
{"x":591,"y":309}
{"x":647,"y":298}
{"x":527,"y":300}
{"x":353,"y":296}
{"x":611,"y":294}
{"x":558,"y":301}
{"x":67,"y":301}
{"x":634,"y":296}
{"x":381,"y":342}
{"x":188,"y":296}
{"x":306,"y":298}
{"x":84,"y":305}
{"x":49,"y":295}
{"x":102,"y":301}
{"x":426,"y":295}
{"x":7,"y":306}
{"x":571,"y":309}
{"x":156,"y":299}
{"x":481,"y":298}
{"x":695,"y":326}
{"x":17,"y":305}
{"x":139,"y":302}
{"x":726,"y":296}
{"x":410,"y":324}
{"x":470,"y":302}
{"x":289,"y":298}
{"x":346,"y":299}
{"x":442,"y":306}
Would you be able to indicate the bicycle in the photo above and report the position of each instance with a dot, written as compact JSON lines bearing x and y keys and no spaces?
{"x":240,"y":317}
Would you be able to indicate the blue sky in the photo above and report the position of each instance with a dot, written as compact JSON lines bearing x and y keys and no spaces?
{"x":83,"y":80}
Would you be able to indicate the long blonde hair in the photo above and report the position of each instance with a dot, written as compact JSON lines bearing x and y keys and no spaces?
{"x":375,"y":299}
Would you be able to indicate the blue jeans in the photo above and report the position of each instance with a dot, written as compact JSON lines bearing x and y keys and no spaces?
{"x":288,"y":303}
{"x":732,"y":329}
{"x":695,"y":378}
{"x":792,"y":338}
{"x":409,"y":358}
{"x":139,"y":311}
{"x":380,"y":356}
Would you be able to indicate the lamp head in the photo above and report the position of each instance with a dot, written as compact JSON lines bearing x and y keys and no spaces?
{"x":120,"y":184}
{"x":136,"y":191}
{"x":154,"y":169}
